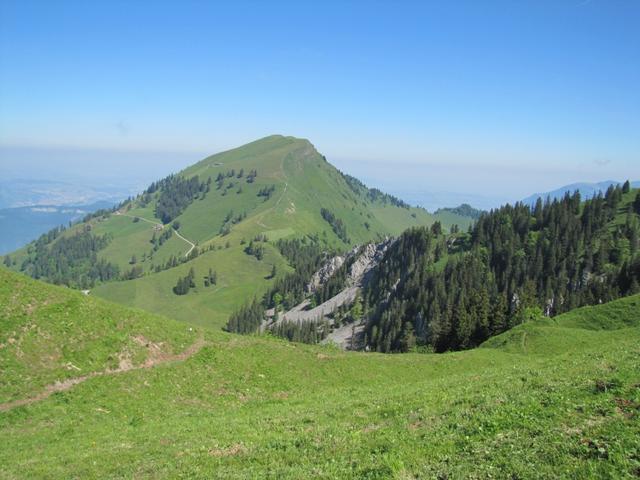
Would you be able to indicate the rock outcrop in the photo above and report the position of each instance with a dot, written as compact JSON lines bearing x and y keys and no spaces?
{"x":325,"y":273}
{"x":362,"y":261}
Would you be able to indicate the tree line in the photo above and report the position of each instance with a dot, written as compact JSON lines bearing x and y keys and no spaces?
{"x":337,"y":225}
{"x":266,"y":192}
{"x":306,"y":257}
{"x":516,"y":263}
{"x":185,"y":283}
{"x":305,"y":332}
{"x":70,"y":260}
{"x":372,"y":194}
{"x":176,"y":194}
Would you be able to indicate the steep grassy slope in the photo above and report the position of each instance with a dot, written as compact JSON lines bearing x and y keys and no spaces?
{"x":561,"y":404}
{"x":303,"y":181}
{"x":240,"y":277}
{"x":53,"y":334}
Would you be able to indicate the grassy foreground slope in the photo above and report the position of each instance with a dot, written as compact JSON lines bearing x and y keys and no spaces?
{"x":562,"y":403}
{"x":50,"y":334}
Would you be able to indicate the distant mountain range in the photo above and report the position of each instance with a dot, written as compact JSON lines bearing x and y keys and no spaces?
{"x":20,"y":225}
{"x":35,"y":192}
{"x":31,"y":207}
{"x":433,"y":200}
{"x":587,"y":190}
{"x":440,"y":201}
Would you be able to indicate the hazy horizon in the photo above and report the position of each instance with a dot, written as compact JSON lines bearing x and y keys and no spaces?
{"x":430,"y":185}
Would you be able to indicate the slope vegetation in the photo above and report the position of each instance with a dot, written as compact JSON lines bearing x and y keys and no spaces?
{"x":549,"y":399}
{"x":516,"y":262}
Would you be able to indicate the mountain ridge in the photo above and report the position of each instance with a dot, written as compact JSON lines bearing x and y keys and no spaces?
{"x":269,"y":189}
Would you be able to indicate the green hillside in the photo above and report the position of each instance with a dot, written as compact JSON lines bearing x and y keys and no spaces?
{"x":513,"y":263}
{"x":218,"y":217}
{"x":50,"y":334}
{"x":549,"y":399}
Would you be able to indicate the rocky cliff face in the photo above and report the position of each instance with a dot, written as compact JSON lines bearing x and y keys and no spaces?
{"x":363,"y":259}
{"x":325,"y":273}
{"x":367,"y":259}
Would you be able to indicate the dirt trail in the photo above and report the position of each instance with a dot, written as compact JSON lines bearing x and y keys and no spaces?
{"x":155,"y":357}
{"x":191,"y":244}
{"x":286,"y":184}
{"x":258,"y":218}
{"x":140,"y":218}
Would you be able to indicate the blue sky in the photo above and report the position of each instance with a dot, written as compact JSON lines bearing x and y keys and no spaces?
{"x":495,"y":99}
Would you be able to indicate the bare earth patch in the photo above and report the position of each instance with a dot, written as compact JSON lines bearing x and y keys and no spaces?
{"x":155,"y":357}
{"x":237,"y":449}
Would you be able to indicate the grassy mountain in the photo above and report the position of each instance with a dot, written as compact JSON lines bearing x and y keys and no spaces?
{"x":274,"y":188}
{"x":548,"y":399}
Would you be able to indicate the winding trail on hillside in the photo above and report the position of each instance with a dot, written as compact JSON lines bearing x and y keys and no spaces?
{"x":139,"y":218}
{"x":191,"y":244}
{"x":155,"y":357}
{"x":286,"y":184}
{"x":258,"y":218}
